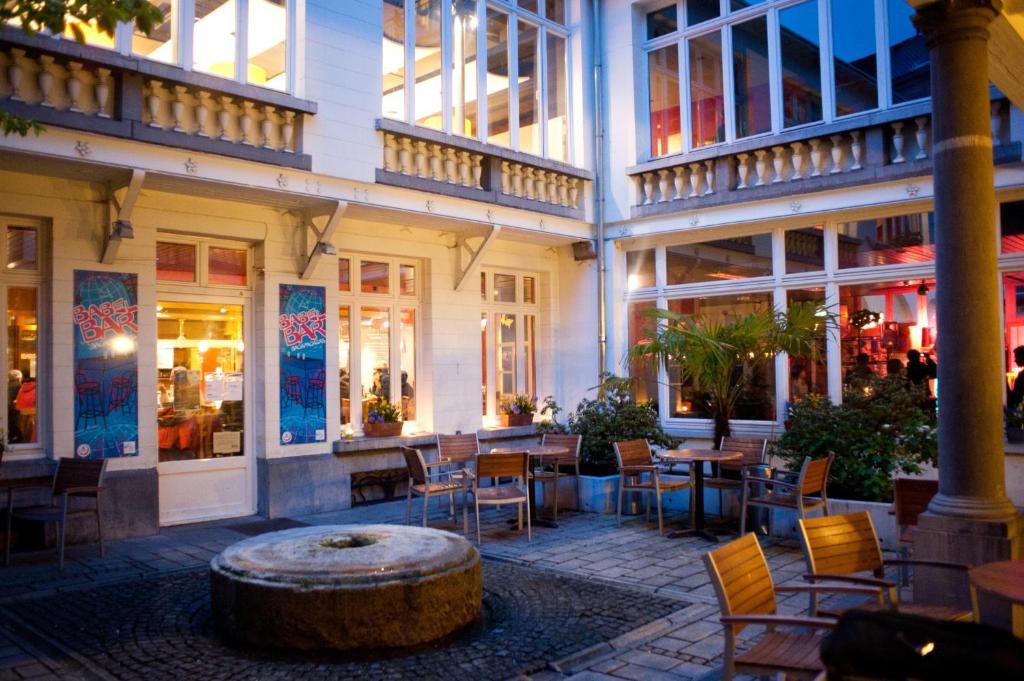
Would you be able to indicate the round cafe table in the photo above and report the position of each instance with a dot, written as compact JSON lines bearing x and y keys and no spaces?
{"x":535,"y":452}
{"x":696,"y":458}
{"x":1004,"y":579}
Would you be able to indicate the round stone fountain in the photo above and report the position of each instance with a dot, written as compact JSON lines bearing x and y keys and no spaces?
{"x":346,"y":587}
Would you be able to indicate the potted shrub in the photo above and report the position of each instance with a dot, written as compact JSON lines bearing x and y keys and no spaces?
{"x":517,"y":410}
{"x":383,"y":420}
{"x":1015,"y":424}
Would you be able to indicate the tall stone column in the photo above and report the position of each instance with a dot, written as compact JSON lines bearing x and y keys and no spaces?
{"x":971,"y":519}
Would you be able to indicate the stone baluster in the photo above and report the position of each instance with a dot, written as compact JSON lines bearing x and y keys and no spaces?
{"x":679,"y":181}
{"x":420,"y":158}
{"x":248,"y":121}
{"x":838,"y":154}
{"x":694,"y":180}
{"x":437,"y":163}
{"x":390,"y":152}
{"x":405,"y":156}
{"x":74,"y":85}
{"x":799,"y":167}
{"x":287,"y":131}
{"x":574,"y":192}
{"x":761,"y":166}
{"x":153,"y":102}
{"x":506,"y":178}
{"x":15,"y":72}
{"x":779,"y":162}
{"x":267,"y":125}
{"x":102,"y":92}
{"x":817,"y":158}
{"x":742,"y":170}
{"x":664,"y":186}
{"x":517,"y":179}
{"x":542,"y":186}
{"x":553,"y":187}
{"x":921,"y":137}
{"x":897,"y":142}
{"x":856,"y":151}
{"x":709,"y":176}
{"x":451,"y":165}
{"x":224,"y":118}
{"x":45,"y":79}
{"x":178,"y":108}
{"x":648,"y":188}
{"x":465,"y":169}
{"x":528,"y":184}
{"x":563,"y":190}
{"x":478,"y":170}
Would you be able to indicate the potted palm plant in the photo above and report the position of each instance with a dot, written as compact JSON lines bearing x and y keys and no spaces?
{"x":383,"y":420}
{"x":722,"y":356}
{"x":517,"y":410}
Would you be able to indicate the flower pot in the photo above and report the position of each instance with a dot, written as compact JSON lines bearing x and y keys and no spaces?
{"x":392,"y":429}
{"x":516,"y":419}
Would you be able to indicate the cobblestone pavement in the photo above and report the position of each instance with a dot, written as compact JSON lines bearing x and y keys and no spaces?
{"x":680,"y":641}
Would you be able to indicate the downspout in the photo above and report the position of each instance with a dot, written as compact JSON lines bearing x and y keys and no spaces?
{"x":602,"y":313}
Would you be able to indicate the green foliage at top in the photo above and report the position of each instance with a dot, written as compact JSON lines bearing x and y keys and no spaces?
{"x":518,"y":405}
{"x":722,"y":357}
{"x":613,"y":416}
{"x":880,"y":430}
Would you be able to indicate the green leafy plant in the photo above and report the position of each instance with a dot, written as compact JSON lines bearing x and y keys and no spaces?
{"x":879,"y":430}
{"x":519,"y":404}
{"x":721,"y":358}
{"x":384,"y":412}
{"x":1015,"y":417}
{"x":613,"y":416}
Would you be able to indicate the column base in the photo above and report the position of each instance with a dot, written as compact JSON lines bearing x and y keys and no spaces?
{"x":964,"y":540}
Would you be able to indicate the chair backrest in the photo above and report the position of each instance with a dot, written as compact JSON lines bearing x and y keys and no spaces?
{"x":78,"y":473}
{"x":569,"y":441}
{"x":814,"y":476}
{"x":752,"y":448}
{"x":417,"y":467}
{"x":458,"y":448}
{"x":633,"y":453}
{"x":911,"y":497}
{"x":741,"y":577}
{"x":841,"y":544}
{"x":508,"y":465}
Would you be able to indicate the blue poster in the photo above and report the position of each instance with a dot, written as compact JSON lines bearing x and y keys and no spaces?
{"x":106,"y":329}
{"x":302,"y":330}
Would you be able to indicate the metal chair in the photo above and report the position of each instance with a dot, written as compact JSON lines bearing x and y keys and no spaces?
{"x":425,"y":483}
{"x":638,"y":473}
{"x":807,"y":494}
{"x":570,"y":461}
{"x":515,"y":465}
{"x":74,"y":478}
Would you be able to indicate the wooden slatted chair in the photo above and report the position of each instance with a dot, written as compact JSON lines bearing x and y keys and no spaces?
{"x":731,"y":473}
{"x":638,"y":473}
{"x":73,"y":479}
{"x":911,"y":497}
{"x":458,"y":451}
{"x":555,"y":468}
{"x":746,"y":595}
{"x":839,"y":548}
{"x":514,"y":465}
{"x":807,"y":494}
{"x":427,"y":482}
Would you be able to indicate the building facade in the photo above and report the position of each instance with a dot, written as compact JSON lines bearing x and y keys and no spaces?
{"x":261,"y":195}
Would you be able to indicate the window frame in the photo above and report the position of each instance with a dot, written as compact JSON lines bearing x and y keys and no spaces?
{"x":203,"y":246}
{"x":520,"y":310}
{"x":514,"y":14}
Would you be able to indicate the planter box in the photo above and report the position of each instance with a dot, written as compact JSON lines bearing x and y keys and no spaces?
{"x":598,"y":493}
{"x":383,"y":429}
{"x":512,"y":420}
{"x":885,"y":524}
{"x":1015,"y":435}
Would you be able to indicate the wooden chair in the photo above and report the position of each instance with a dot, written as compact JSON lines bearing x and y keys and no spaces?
{"x":430,"y":484}
{"x":514,"y":465}
{"x":746,"y":595}
{"x":731,"y":473}
{"x":911,"y":497}
{"x":458,"y":451}
{"x":637,"y":472}
{"x":558,"y":465}
{"x":74,"y":478}
{"x":839,"y":547}
{"x":807,"y":494}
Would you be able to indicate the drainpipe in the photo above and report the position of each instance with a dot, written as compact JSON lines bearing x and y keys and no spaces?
{"x":602,"y":315}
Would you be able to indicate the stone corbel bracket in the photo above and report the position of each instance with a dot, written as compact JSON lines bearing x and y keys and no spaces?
{"x":121,"y":227}
{"x":475,"y":255}
{"x":321,"y":241}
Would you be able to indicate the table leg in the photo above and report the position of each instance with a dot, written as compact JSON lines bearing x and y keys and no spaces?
{"x":534,"y":519}
{"x":698,"y":529}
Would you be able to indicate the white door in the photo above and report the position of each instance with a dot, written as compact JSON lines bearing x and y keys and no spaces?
{"x":205,"y":464}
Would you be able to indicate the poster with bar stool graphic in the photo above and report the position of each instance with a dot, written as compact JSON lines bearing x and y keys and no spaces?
{"x":302,"y":331}
{"x":106,"y":369}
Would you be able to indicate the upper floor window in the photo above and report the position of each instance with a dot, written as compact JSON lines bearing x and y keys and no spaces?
{"x":203,"y":263}
{"x":751,"y":67}
{"x":499,"y":74}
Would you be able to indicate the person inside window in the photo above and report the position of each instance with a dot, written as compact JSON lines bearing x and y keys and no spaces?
{"x":861,"y":371}
{"x":918,"y":372}
{"x":798,"y":384}
{"x":13,"y":386}
{"x":1016,"y":393}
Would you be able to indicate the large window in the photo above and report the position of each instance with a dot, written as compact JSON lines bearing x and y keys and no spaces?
{"x":895,"y":240}
{"x":508,"y":337}
{"x":20,"y":284}
{"x":753,"y":67}
{"x":435,"y":75}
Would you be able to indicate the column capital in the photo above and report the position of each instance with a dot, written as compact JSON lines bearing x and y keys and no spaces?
{"x":945,"y":20}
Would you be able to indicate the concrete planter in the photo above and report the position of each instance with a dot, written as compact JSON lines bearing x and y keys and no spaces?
{"x":885,"y":524}
{"x":598,"y":493}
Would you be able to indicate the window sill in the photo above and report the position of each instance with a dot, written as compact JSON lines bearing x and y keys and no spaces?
{"x":358,"y":445}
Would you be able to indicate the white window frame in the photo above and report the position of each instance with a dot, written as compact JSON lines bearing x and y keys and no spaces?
{"x":203,"y":246}
{"x":354,"y":299}
{"x":724,"y":23}
{"x":520,"y":310}
{"x":514,"y":14}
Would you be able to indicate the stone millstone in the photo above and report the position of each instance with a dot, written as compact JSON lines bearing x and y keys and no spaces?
{"x":346,"y":587}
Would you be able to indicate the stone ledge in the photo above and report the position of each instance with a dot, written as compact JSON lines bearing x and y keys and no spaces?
{"x":372,"y":445}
